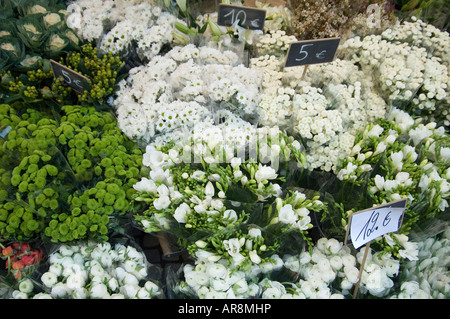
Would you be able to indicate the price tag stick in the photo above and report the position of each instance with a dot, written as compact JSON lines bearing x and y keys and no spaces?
{"x":369,"y":224}
{"x":304,"y":72}
{"x":361,"y":269}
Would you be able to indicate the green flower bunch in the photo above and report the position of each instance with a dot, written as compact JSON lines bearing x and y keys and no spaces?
{"x":37,"y":83}
{"x":30,"y":30}
{"x":71,"y":176}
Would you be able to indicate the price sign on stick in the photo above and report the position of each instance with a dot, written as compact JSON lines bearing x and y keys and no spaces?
{"x":369,"y":224}
{"x":74,"y":79}
{"x":311,"y":52}
{"x":251,"y":18}
{"x":366,"y":225}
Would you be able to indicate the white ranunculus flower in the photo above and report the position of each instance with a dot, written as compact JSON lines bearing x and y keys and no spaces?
{"x":272,"y":293}
{"x":26,"y":286}
{"x":75,"y":281}
{"x":99,"y":291}
{"x":49,"y":279}
{"x":152,"y":288}
{"x":17,"y":294}
{"x":220,"y":284}
{"x":130,"y":290}
{"x":143,"y":294}
{"x":59,"y":290}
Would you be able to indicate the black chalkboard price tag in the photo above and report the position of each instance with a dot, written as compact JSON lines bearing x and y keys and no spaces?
{"x":311,"y":52}
{"x":73,"y":79}
{"x":251,"y":18}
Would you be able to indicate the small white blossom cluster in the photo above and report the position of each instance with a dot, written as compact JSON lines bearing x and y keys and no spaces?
{"x":89,"y":18}
{"x":326,"y":119}
{"x":98,"y":271}
{"x":117,"y":25}
{"x":405,"y":72}
{"x":182,"y":89}
{"x":270,"y":67}
{"x":428,"y":277}
{"x":274,"y":43}
{"x":421,"y":34}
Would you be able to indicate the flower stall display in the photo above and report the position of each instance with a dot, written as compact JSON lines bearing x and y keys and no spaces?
{"x":198,"y":130}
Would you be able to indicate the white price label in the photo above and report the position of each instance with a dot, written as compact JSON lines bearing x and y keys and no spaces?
{"x":372,"y":223}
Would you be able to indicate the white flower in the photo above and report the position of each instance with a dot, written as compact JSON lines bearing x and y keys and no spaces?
{"x":75,"y":281}
{"x":59,"y":290}
{"x":145,"y":185}
{"x":80,"y":293}
{"x":209,"y":189}
{"x":130,"y":290}
{"x":254,"y":257}
{"x":287,"y":215}
{"x":26,"y":286}
{"x":162,"y":202}
{"x":113,"y":284}
{"x":215,"y":270}
{"x":235,"y":162}
{"x":152,"y":288}
{"x":49,"y":279}
{"x":56,"y":269}
{"x":254,"y":232}
{"x":375,"y":131}
{"x":99,"y":291}
{"x":16,"y":294}
{"x":230,"y":215}
{"x":180,"y":212}
{"x":265,"y":173}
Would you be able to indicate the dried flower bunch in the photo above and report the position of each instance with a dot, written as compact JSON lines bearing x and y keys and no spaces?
{"x":328,"y":19}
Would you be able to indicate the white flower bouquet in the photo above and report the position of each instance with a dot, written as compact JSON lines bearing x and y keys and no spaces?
{"x":92,"y":270}
{"x":399,"y":158}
